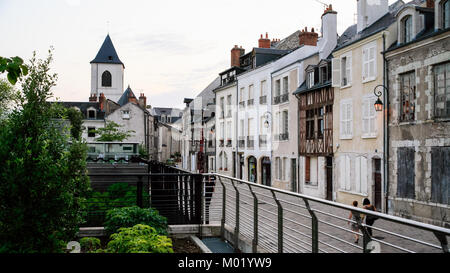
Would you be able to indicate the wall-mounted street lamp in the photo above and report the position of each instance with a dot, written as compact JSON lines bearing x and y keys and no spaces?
{"x":267,"y":115}
{"x":379,"y":104}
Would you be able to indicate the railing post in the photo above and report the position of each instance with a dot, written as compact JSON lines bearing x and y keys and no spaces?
{"x":280,"y":223}
{"x":139,"y":192}
{"x":366,"y":236}
{"x":255,"y":220}
{"x":224,"y":199}
{"x":314,"y":228}
{"x":443,"y":240}
{"x":236,"y":229}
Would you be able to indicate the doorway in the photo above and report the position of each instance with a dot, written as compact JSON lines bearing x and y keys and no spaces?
{"x":265,"y":168}
{"x":294,"y":187}
{"x":252,"y":175}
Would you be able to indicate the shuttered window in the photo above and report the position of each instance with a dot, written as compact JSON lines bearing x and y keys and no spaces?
{"x":407,"y":96}
{"x":361,"y":175}
{"x":405,"y":172}
{"x":369,"y":62}
{"x":440,"y":175}
{"x":369,"y":117}
{"x":336,"y":72}
{"x":345,"y":182}
{"x":346,"y":121}
{"x":442,"y":90}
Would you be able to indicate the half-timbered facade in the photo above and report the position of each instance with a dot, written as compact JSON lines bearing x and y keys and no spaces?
{"x":315,"y":102}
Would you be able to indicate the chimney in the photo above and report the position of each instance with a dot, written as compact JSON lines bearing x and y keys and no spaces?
{"x":93,"y":98}
{"x":370,"y":11}
{"x":430,"y":4}
{"x":102,"y":101}
{"x":131,"y":97}
{"x":143,"y":101}
{"x":264,"y":42}
{"x":308,"y":38}
{"x":329,"y":32}
{"x":236,"y":53}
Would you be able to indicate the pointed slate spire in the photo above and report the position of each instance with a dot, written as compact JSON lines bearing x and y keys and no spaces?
{"x":107,"y":53}
{"x":126,"y":96}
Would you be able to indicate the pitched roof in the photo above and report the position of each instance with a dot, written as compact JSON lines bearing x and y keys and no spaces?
{"x":84,"y":106}
{"x":124,"y":98}
{"x":107,"y":53}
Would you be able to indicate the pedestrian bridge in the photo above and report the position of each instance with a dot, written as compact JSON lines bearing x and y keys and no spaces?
{"x":260,"y":219}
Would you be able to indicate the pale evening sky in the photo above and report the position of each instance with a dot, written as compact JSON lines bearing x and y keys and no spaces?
{"x":171,"y":49}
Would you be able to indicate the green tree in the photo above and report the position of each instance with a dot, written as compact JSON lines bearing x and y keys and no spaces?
{"x":15,"y":68}
{"x":8,"y":97}
{"x":43,"y":178}
{"x":112,"y":132}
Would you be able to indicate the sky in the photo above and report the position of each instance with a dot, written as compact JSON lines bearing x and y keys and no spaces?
{"x":171,"y":49}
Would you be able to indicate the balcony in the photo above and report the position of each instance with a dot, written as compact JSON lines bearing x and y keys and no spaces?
{"x":250,"y":142}
{"x":263,"y":141}
{"x":283,"y":137}
{"x":241,"y":142}
{"x":250,"y":102}
{"x":263,"y":100}
{"x":221,"y":143}
{"x":281,"y":99}
{"x":242,"y":104}
{"x":229,"y":143}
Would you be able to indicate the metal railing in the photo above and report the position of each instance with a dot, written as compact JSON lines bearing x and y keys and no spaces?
{"x":276,"y":220}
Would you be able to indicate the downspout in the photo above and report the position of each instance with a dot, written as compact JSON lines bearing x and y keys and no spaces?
{"x":386,"y":125}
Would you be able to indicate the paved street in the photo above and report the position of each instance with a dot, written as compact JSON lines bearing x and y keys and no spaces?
{"x":334,"y":231}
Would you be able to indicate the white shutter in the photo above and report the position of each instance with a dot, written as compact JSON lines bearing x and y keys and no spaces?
{"x":342,"y":171}
{"x":364,"y":175}
{"x":365,"y":63}
{"x":372,"y":63}
{"x":365,"y":117}
{"x":342,"y":120}
{"x":350,"y":132}
{"x":349,"y":70}
{"x":358,"y":174}
{"x":347,"y":173}
{"x":373,"y":116}
{"x":336,"y":69}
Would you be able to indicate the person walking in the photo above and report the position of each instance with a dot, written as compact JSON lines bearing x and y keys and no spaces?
{"x":369,"y":218}
{"x":355,"y":227}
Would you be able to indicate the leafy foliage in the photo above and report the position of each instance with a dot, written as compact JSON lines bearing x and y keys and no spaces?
{"x":130,"y":216}
{"x":8,"y":95}
{"x":90,"y":244}
{"x":139,"y":239}
{"x":43,"y":178}
{"x":15,"y":68}
{"x":112,"y":132}
{"x":143,"y":152}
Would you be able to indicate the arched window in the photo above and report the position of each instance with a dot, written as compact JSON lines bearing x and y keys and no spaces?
{"x":407,"y":29}
{"x":106,"y":79}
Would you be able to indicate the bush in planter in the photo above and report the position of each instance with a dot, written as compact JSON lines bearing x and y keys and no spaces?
{"x":139,"y":239}
{"x":90,"y":244}
{"x":130,"y":216}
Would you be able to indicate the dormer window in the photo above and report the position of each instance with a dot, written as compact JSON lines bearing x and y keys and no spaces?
{"x":110,"y":58}
{"x":407,"y":29}
{"x":91,"y":114}
{"x":310,"y":79}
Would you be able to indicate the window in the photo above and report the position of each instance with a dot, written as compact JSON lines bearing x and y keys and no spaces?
{"x":106,"y":79}
{"x":277,"y":88}
{"x":91,"y":114}
{"x":320,"y":122}
{"x":225,"y":161}
{"x":91,"y":131}
{"x":344,"y":168}
{"x":229,"y":106}
{"x":369,"y":62}
{"x":346,"y":124}
{"x":250,"y":95}
{"x":361,"y":175}
{"x":250,"y":127}
{"x":126,"y":114}
{"x":369,"y":117}
{"x":278,"y":168}
{"x":310,"y":124}
{"x":405,"y":172}
{"x":446,"y":14}
{"x":407,"y":96}
{"x":407,"y":29}
{"x":310,"y":79}
{"x":242,"y":127}
{"x":311,"y":171}
{"x":229,"y":130}
{"x":263,"y":88}
{"x":442,"y":90}
{"x":285,"y":122}
{"x":440,"y":174}
{"x":285,"y":85}
{"x":222,"y":107}
{"x":345,"y":70}
{"x":285,"y":168}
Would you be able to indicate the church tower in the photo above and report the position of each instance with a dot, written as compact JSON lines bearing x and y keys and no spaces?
{"x":107,"y":72}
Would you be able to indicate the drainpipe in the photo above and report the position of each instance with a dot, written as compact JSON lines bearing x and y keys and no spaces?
{"x":386,"y":125}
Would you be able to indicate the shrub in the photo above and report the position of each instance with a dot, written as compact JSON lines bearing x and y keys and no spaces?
{"x":131,"y":216}
{"x":139,"y":239}
{"x":90,"y":244}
